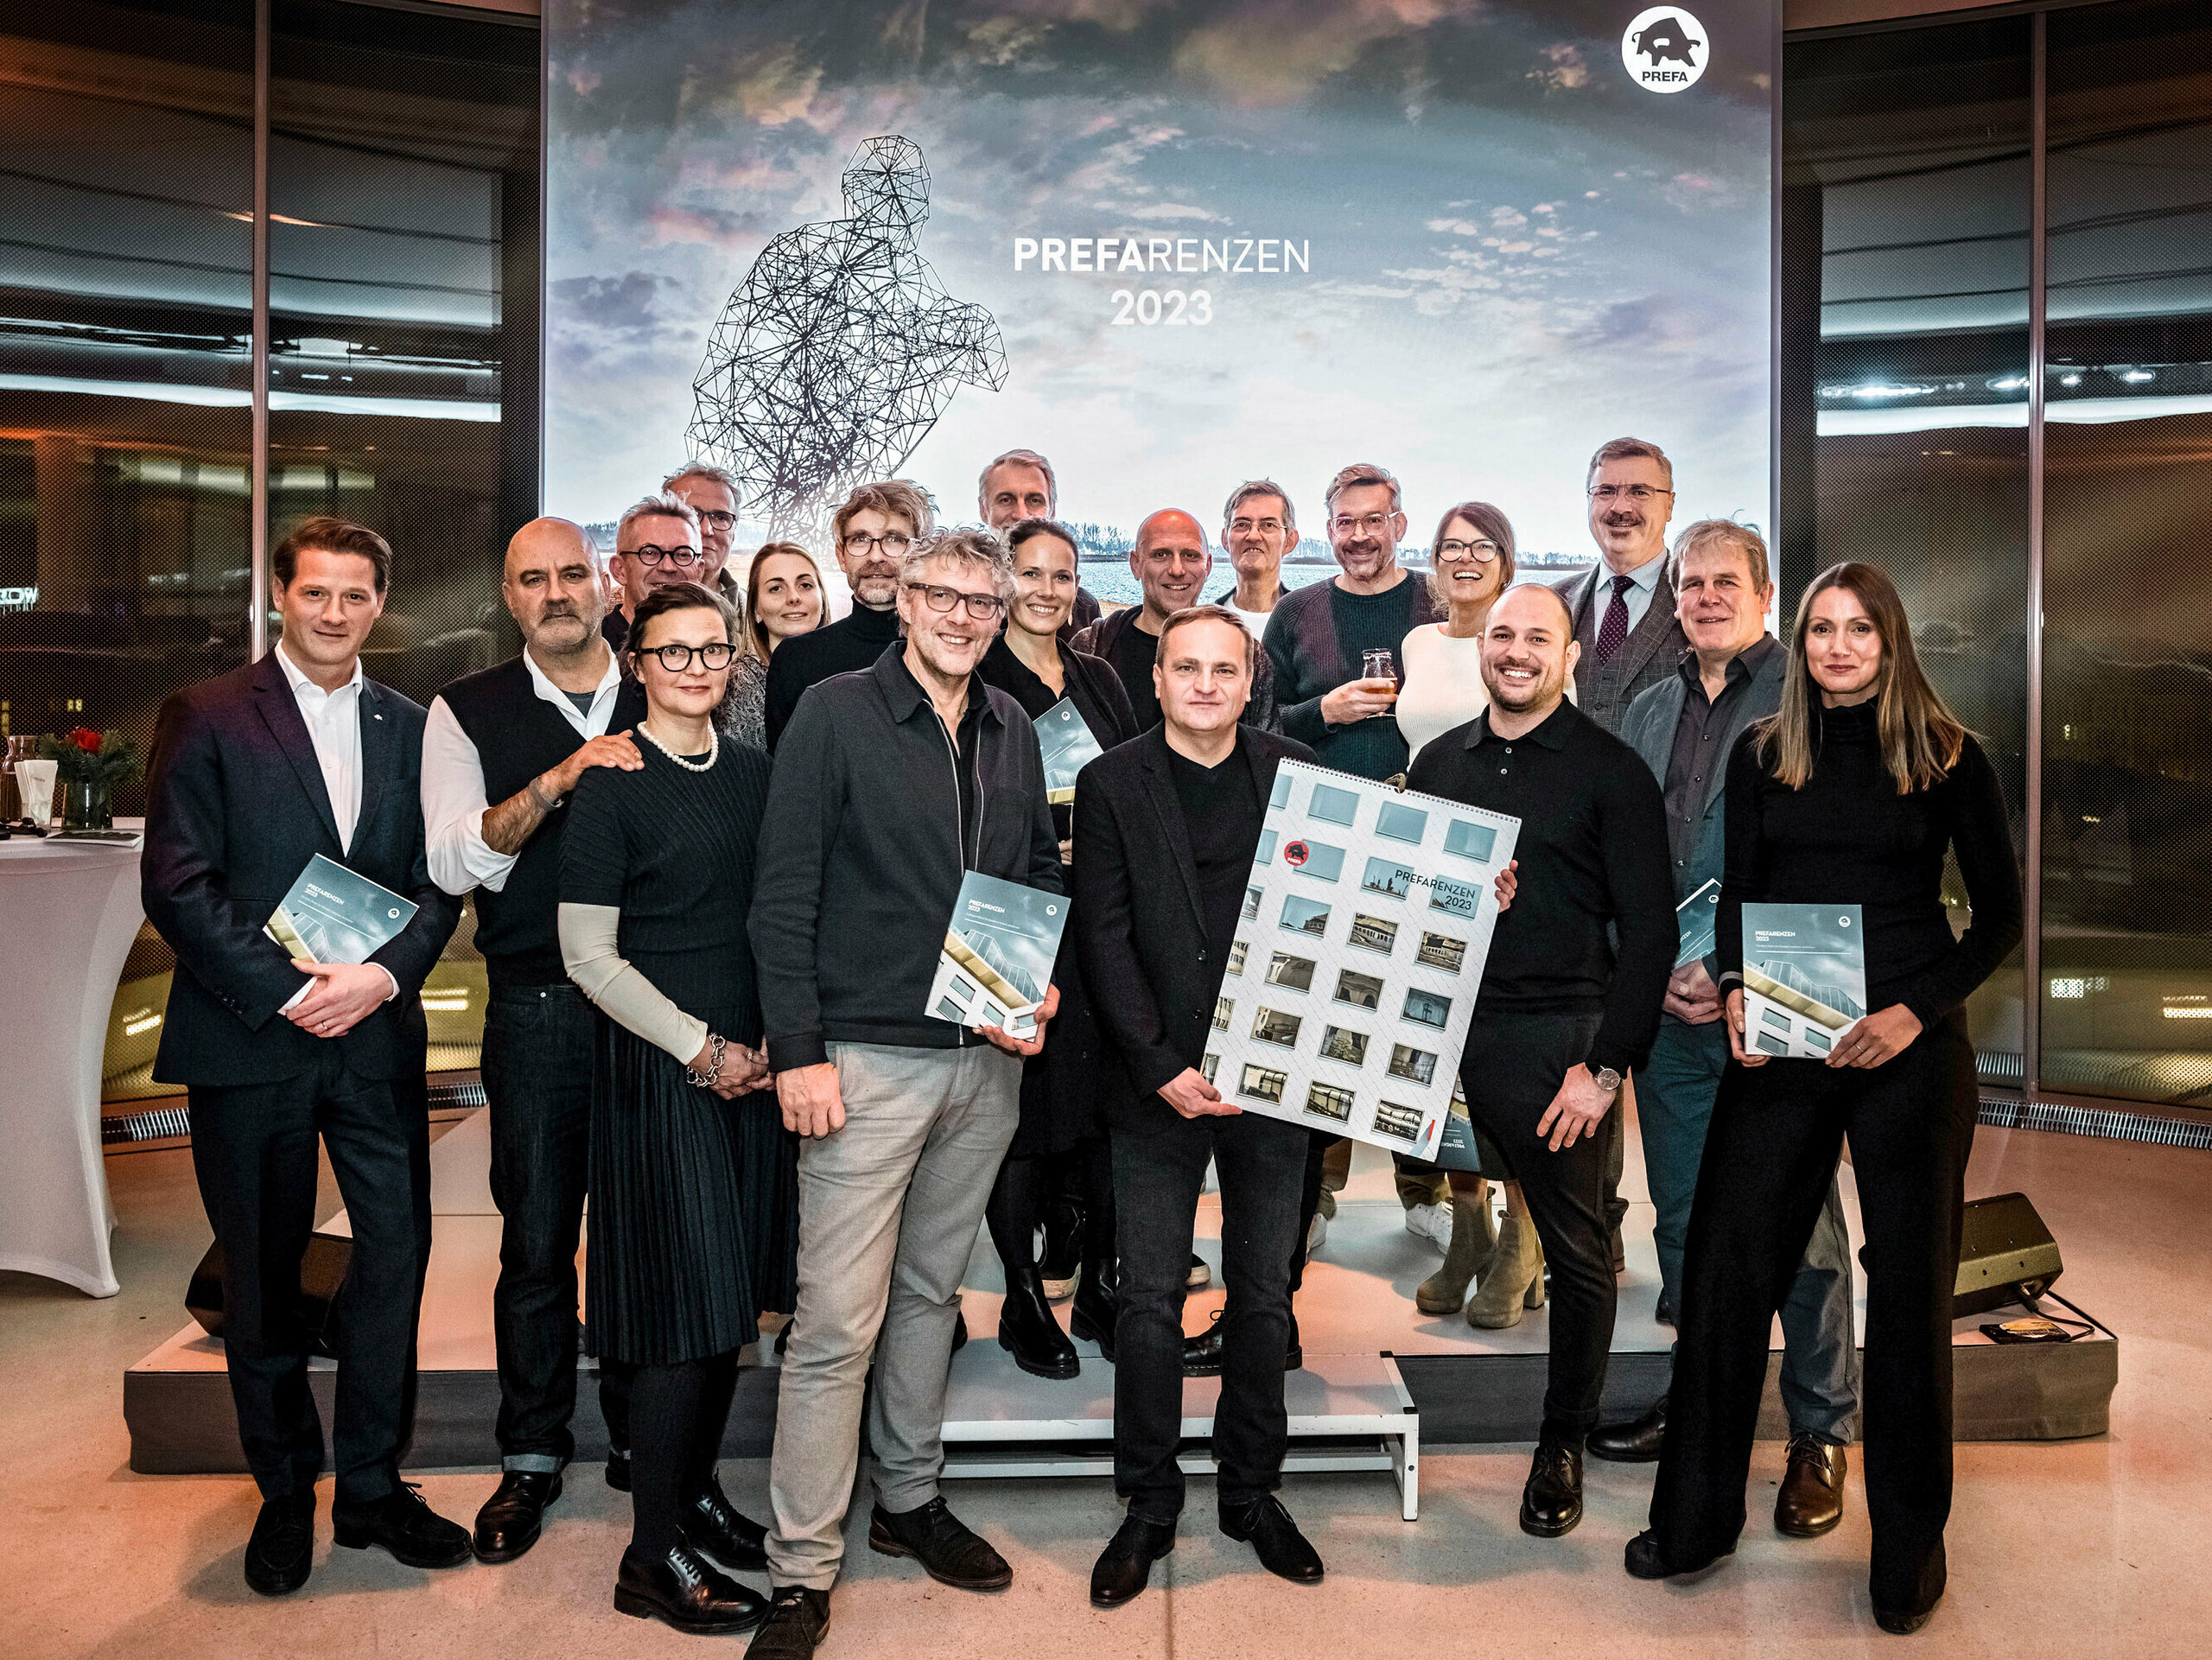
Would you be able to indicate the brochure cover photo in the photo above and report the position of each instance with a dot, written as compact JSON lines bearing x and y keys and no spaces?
{"x":1068,"y":746}
{"x":1368,"y":917}
{"x":1694,"y":920}
{"x":1804,"y":977}
{"x":999,"y":951}
{"x":333,"y":915}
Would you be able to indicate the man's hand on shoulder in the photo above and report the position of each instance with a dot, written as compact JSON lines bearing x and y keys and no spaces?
{"x":614,"y":749}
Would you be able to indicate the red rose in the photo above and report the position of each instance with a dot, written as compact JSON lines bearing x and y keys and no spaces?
{"x":86,"y":739}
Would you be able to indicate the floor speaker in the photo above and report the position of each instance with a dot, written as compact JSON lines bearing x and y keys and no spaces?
{"x":2005,"y":1253}
{"x":322,"y":1273}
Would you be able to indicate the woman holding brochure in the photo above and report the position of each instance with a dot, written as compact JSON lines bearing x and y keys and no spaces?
{"x":1851,"y":795}
{"x":689,"y":1169}
{"x":1060,"y":1106}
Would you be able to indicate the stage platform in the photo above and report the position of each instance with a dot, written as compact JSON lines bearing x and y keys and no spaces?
{"x":1363,"y":1339}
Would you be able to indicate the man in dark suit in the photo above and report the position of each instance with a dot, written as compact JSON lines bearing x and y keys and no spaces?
{"x":1623,"y":605}
{"x":1168,"y":824}
{"x":252,"y":774}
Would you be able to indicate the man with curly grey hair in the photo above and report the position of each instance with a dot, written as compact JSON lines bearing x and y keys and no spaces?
{"x":891,"y":785}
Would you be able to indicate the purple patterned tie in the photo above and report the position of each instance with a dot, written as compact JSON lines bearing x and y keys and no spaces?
{"x":1613,"y":630}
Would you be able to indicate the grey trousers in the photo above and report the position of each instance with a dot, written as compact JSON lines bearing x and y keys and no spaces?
{"x":889,"y":1207}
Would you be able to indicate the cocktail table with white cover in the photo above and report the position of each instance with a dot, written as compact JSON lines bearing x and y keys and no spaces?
{"x":68,"y":912}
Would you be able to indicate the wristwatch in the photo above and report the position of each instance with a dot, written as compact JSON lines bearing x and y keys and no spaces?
{"x":1608,"y":1080}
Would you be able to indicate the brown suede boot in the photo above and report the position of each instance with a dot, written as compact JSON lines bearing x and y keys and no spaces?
{"x":1515,"y":1280}
{"x":1474,"y":1244}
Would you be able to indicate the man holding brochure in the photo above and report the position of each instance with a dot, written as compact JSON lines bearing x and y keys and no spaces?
{"x":1684,"y":727}
{"x":1168,"y":825}
{"x":253,"y":775}
{"x":892,"y":787}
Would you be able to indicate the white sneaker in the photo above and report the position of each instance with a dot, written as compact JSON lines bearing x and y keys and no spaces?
{"x":1432,"y":1223}
{"x":1317,"y":1233}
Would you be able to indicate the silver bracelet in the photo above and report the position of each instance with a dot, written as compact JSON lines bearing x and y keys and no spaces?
{"x":713,"y":1074}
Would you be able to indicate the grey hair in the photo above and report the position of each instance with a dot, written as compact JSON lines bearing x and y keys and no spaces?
{"x":1027,"y":458}
{"x":1622,"y":450}
{"x":1744,"y":537}
{"x":663,"y":506}
{"x":1253,"y":488}
{"x":704,"y":470}
{"x":970,"y":546}
{"x":1360,"y":472}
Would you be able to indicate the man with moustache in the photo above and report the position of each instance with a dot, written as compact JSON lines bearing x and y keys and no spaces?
{"x":1168,"y":823}
{"x":656,"y":542}
{"x":1170,"y":562}
{"x":875,"y":527}
{"x":1684,"y":728}
{"x":1564,"y":1012}
{"x":1258,"y":527}
{"x":711,"y":492}
{"x":1318,"y":638}
{"x":501,"y":751}
{"x":1623,"y":605}
{"x":891,"y":785}
{"x":1020,"y":485}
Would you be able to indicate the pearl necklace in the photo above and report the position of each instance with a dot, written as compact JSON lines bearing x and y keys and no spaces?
{"x":714,"y":749}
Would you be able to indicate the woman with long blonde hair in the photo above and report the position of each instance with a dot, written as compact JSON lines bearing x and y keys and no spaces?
{"x":1851,"y":794}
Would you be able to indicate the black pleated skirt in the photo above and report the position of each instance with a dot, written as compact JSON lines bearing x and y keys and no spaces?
{"x":671,"y":1270}
{"x":1060,"y":1083}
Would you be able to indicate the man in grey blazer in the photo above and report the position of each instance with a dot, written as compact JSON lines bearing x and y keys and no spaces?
{"x":1684,"y":727}
{"x":1623,"y":605}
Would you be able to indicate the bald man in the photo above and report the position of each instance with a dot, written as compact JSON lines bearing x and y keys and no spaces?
{"x":1170,"y":561}
{"x":501,"y":751}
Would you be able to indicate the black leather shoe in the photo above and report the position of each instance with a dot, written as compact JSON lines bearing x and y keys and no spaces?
{"x":1810,"y":1502}
{"x":1643,"y":1561}
{"x":798,"y":1621}
{"x":403,"y":1524}
{"x":1124,"y":1568}
{"x":959,"y":1332}
{"x":1900,"y":1622}
{"x":951,"y":1552}
{"x":1029,"y":1333}
{"x":617,"y":1469}
{"x":1202,"y":1354}
{"x":1634,"y":1440}
{"x":685,"y":1591}
{"x":1095,"y":1307}
{"x":1551,"y":1504}
{"x":1283,"y":1549}
{"x":281,"y":1554}
{"x":1293,"y":1354}
{"x":508,"y":1523}
{"x":1664,"y":1313}
{"x":712,"y":1524}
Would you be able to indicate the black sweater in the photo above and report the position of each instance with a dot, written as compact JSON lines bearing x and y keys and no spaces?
{"x":1849,"y":839}
{"x":850,"y":644}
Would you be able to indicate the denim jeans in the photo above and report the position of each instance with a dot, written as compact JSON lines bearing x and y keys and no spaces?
{"x":1157,"y":1176}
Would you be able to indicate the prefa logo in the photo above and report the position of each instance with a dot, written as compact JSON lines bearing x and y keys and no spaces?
{"x":1665,"y":49}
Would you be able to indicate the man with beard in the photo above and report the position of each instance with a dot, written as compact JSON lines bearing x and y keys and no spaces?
{"x":1623,"y":605}
{"x":1020,"y":485}
{"x":892,"y":784}
{"x":1318,"y":638}
{"x":873,"y":528}
{"x":1258,"y":528}
{"x":657,"y":543}
{"x":501,"y":751}
{"x":1563,"y":1013}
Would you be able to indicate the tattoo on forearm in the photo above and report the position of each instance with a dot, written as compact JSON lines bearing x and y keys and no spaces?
{"x":511,"y":823}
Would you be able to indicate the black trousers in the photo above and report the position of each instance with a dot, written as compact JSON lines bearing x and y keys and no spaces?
{"x":1158,"y":1174}
{"x":1512,"y":1068}
{"x":253,"y":1150}
{"x":1770,"y":1155}
{"x":537,"y":1070}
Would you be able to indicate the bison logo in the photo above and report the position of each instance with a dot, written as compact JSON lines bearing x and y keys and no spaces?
{"x":1664,"y":49}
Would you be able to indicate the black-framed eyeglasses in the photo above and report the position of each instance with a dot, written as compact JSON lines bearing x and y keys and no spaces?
{"x":1481,"y":552}
{"x":1633,"y":491}
{"x":982,"y":606}
{"x":679,"y":557}
{"x":714,"y":656}
{"x":859,"y":544}
{"x":717,"y":518}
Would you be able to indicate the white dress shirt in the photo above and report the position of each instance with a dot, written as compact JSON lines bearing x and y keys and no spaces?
{"x":453,"y":783}
{"x":334,"y":724}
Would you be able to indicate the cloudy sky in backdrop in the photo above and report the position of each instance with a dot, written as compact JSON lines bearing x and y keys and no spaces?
{"x":1516,"y":252}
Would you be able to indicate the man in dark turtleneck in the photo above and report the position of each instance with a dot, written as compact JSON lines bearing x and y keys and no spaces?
{"x":873,"y":528}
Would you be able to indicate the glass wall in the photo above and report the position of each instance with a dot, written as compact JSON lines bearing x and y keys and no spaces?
{"x":403,"y":185}
{"x":1909,"y":162}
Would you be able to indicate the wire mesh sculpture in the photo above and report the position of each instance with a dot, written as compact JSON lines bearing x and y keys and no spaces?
{"x":838,"y":351}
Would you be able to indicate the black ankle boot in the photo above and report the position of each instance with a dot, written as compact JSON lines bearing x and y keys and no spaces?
{"x":1027,"y":1330}
{"x":1063,"y":1222}
{"x":1097,"y":1304}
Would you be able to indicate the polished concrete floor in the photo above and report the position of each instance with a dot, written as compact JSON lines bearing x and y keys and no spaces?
{"x":2076,"y":1548}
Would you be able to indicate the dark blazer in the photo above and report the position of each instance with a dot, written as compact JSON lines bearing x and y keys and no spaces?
{"x":1140,"y":933}
{"x":1648,"y":656}
{"x":235,"y":807}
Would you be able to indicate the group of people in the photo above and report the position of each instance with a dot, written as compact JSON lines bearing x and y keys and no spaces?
{"x":714,"y":839}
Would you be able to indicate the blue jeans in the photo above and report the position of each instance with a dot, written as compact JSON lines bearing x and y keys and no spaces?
{"x":1675,"y":1093}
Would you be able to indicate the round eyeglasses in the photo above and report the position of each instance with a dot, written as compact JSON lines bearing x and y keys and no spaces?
{"x":679,"y":557}
{"x":676,"y":659}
